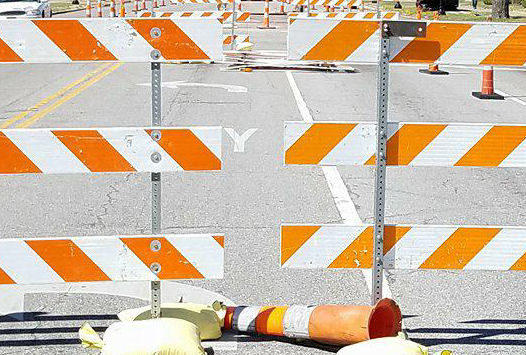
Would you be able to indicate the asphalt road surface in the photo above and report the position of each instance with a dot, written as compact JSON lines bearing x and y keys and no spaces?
{"x":468,"y":312}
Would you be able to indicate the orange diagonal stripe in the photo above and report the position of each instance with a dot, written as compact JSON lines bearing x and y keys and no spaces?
{"x":520,"y":265}
{"x":74,"y":39}
{"x":408,"y":142}
{"x":460,"y":248}
{"x":5,"y":279}
{"x":342,"y":40}
{"x":389,"y":15}
{"x":317,"y":142}
{"x":12,"y":160}
{"x":392,"y":234}
{"x":511,"y":51}
{"x":494,"y":147}
{"x":220,"y":240}
{"x":269,"y":320}
{"x":188,"y":150}
{"x":166,"y":14}
{"x":358,"y":254}
{"x":293,"y":237}
{"x":67,"y":260}
{"x":93,"y":151}
{"x":439,"y":38}
{"x":7,"y":54}
{"x":146,"y":14}
{"x":173,"y":264}
{"x":173,"y":43}
{"x":243,"y":17}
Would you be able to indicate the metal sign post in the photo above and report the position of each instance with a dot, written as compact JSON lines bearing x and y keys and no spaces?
{"x":388,"y":30}
{"x":156,"y":184}
{"x":233,"y":24}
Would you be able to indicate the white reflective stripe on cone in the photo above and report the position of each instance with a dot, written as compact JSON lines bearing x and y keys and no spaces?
{"x":296,"y":321}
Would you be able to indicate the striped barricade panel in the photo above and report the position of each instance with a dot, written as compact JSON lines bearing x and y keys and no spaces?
{"x":409,"y":144}
{"x":346,"y":15}
{"x":405,"y":247}
{"x":444,"y":43}
{"x":223,"y":16}
{"x":321,"y":3}
{"x":109,"y":39}
{"x":56,"y":151}
{"x":115,"y":258}
{"x":227,"y":39}
{"x":178,"y":2}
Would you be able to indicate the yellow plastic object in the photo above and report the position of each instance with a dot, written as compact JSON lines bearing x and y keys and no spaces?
{"x":383,"y":346}
{"x":206,"y":318}
{"x":163,"y":336}
{"x":89,"y":337}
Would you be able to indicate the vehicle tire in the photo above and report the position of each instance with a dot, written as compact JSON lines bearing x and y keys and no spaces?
{"x":43,"y":14}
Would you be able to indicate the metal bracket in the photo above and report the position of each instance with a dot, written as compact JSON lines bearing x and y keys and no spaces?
{"x":156,"y":185}
{"x":403,"y":29}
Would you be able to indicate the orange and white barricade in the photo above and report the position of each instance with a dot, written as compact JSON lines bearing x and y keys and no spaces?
{"x":111,"y":258}
{"x":102,"y":40}
{"x":444,"y":43}
{"x":392,"y":15}
{"x":343,"y":4}
{"x":408,"y":144}
{"x":223,"y":16}
{"x":227,"y":39}
{"x":156,"y":149}
{"x":405,"y":247}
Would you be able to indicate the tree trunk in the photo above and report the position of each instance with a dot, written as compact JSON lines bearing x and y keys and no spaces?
{"x":500,"y":9}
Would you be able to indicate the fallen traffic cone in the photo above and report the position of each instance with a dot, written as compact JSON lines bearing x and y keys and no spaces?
{"x":112,"y":9}
{"x":122,"y":12}
{"x":433,"y":70}
{"x":88,"y":8}
{"x":488,"y":92}
{"x":266,"y":17}
{"x":99,"y":8}
{"x":328,"y":324}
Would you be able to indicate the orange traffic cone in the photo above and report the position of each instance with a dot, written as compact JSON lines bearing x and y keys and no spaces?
{"x":433,"y":70}
{"x":143,"y":4}
{"x":136,"y":6}
{"x":154,"y":4}
{"x":488,"y":91}
{"x":88,"y":8}
{"x":239,"y":5}
{"x":112,"y":9}
{"x":122,"y":12}
{"x":418,"y":13}
{"x":163,"y":3}
{"x":281,"y":7}
{"x":266,"y":17}
{"x":328,"y":324}
{"x":99,"y":8}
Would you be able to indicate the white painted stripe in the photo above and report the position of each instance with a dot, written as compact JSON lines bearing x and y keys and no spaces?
{"x":296,"y":321}
{"x":304,"y":34}
{"x":501,"y":252}
{"x":117,"y":261}
{"x":23,"y":265}
{"x":136,"y":146}
{"x":517,"y":157}
{"x":202,"y":251}
{"x":302,"y":106}
{"x":341,"y":197}
{"x":246,"y":319}
{"x":416,"y":246}
{"x":508,"y":96}
{"x":211,"y":137}
{"x":120,"y":38}
{"x":46,"y":151}
{"x":207,"y":33}
{"x":450,"y":145}
{"x":320,"y":250}
{"x":355,"y":148}
{"x":30,"y":43}
{"x":477,"y":43}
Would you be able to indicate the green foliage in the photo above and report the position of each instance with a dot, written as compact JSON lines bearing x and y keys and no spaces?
{"x":523,"y":3}
{"x":487,"y":2}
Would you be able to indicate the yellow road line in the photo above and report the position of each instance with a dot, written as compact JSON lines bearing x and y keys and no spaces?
{"x":51,"y":97}
{"x":68,"y":97}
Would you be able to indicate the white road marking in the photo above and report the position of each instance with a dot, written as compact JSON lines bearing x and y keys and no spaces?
{"x":240,"y":140}
{"x":339,"y":191}
{"x":512,"y":98}
{"x":178,"y":84}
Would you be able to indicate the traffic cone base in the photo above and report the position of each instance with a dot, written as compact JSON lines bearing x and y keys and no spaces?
{"x":482,"y":96}
{"x":433,"y":72}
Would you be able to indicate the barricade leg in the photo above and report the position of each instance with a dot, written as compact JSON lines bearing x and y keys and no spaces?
{"x":488,"y":91}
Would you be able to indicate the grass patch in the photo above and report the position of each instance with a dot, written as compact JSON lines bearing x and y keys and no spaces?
{"x":65,"y":6}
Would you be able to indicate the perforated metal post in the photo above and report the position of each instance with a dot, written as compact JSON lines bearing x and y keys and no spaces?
{"x":234,"y":15}
{"x":156,"y":185}
{"x":381,"y":160}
